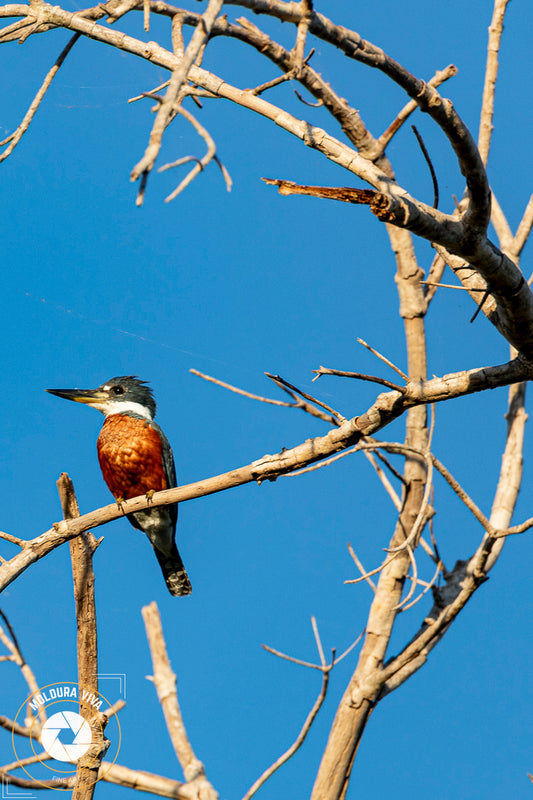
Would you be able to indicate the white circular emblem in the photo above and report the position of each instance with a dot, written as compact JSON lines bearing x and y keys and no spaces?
{"x":80,"y":736}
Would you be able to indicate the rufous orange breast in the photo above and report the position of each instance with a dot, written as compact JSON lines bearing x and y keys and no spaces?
{"x":131,"y":456}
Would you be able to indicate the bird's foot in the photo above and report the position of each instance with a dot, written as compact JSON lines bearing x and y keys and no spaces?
{"x":120,"y":503}
{"x":149,"y":495}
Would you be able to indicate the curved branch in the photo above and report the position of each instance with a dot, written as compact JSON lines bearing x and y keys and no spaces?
{"x":463,"y":237}
{"x":387,"y":407}
{"x":13,"y":140}
{"x":441,"y":110}
{"x":299,"y":739}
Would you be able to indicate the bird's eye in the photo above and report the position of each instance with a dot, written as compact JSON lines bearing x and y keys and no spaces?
{"x":118,"y":390}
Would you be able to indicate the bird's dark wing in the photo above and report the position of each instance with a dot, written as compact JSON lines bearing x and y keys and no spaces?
{"x":169,"y":468}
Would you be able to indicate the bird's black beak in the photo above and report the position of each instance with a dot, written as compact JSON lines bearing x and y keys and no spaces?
{"x":88,"y":396}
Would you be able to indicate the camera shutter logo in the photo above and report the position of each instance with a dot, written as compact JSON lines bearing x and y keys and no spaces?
{"x":78,"y":727}
{"x":65,"y":736}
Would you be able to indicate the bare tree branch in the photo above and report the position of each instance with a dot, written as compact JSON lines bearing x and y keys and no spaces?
{"x":384,"y":480}
{"x":464,"y":579}
{"x":359,"y":376}
{"x":491,"y":75}
{"x":165,"y":683}
{"x":440,"y":77}
{"x":82,"y":549}
{"x":17,"y":135}
{"x":364,"y":574}
{"x":12,"y":645}
{"x":202,"y":163}
{"x":524,"y":229}
{"x":325,"y":668}
{"x":382,"y":358}
{"x":334,"y":417}
{"x":461,"y":242}
{"x":388,"y":406}
{"x":296,"y":744}
{"x":179,"y":76}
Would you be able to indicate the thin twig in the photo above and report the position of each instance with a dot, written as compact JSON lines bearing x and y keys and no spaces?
{"x":200,"y":163}
{"x":30,"y":783}
{"x":427,"y":549}
{"x":383,"y":358}
{"x":318,"y":642}
{"x":15,"y":137}
{"x":179,"y":162}
{"x":434,"y":543}
{"x":379,"y":454}
{"x":12,"y":32}
{"x":350,"y":648}
{"x":8,"y":537}
{"x":335,"y":418}
{"x":422,"y":516}
{"x":439,"y":78}
{"x":384,"y":480}
{"x":151,"y":93}
{"x":436,"y":271}
{"x":263,"y":87}
{"x":14,"y":639}
{"x":462,"y":495}
{"x":325,"y":463}
{"x":433,"y":414}
{"x":242,"y":391}
{"x":167,"y":109}
{"x":298,"y":741}
{"x":358,"y":376}
{"x":301,"y":34}
{"x":452,"y":286}
{"x":373,"y":571}
{"x":13,"y":646}
{"x":501,"y":226}
{"x":361,"y":568}
{"x":142,"y":189}
{"x":418,"y":581}
{"x":224,"y":171}
{"x":318,"y":104}
{"x":524,"y":229}
{"x":26,"y":762}
{"x":516,"y":529}
{"x":427,"y":588}
{"x":485,"y":297}
{"x":13,"y":727}
{"x":367,"y":444}
{"x":37,"y":27}
{"x":430,"y":165}
{"x":414,"y":581}
{"x":323,"y":666}
{"x":491,"y":74}
{"x":292,"y":659}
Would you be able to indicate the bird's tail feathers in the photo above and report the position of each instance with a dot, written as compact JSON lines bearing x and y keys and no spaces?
{"x":176,"y":577}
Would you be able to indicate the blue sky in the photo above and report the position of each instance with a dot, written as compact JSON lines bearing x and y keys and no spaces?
{"x":235,"y":285}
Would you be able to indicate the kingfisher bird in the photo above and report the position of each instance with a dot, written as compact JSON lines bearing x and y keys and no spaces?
{"x":136,"y":458}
